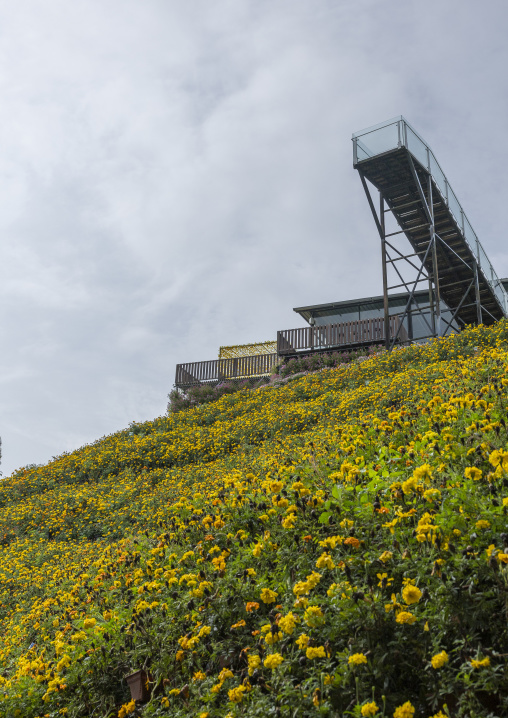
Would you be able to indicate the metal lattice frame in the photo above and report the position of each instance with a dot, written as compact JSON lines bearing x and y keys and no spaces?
{"x":425,"y":264}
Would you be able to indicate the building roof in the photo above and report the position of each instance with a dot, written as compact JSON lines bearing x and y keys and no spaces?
{"x":307,"y":312}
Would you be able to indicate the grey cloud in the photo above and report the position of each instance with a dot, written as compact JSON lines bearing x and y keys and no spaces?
{"x":178,"y":175}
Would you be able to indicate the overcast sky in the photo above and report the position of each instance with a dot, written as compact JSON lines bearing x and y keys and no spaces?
{"x":176,"y":175}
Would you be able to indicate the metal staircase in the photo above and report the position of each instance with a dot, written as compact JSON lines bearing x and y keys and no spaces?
{"x":445,"y":251}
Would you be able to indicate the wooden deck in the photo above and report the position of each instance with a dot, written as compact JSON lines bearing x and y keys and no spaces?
{"x":336,"y":336}
{"x":217,"y":370}
{"x":290,"y":342}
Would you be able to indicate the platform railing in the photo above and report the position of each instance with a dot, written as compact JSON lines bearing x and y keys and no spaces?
{"x":289,"y":341}
{"x":336,"y":336}
{"x":217,"y":370}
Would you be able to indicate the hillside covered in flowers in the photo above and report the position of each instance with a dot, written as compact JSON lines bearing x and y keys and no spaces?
{"x":334,"y":546}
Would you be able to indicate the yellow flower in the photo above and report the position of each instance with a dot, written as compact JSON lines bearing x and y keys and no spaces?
{"x":199,"y":676}
{"x":483,"y":663}
{"x":63,"y":663}
{"x":404,"y":711}
{"x":384,"y":581}
{"x":275,"y":486}
{"x":369,"y":710}
{"x":239,"y":624}
{"x":325,"y":561}
{"x":235,"y":695}
{"x":254,"y":662}
{"x":405,"y":617}
{"x":302,"y":588}
{"x":271,"y":638}
{"x":409,"y":485}
{"x":313,"y":616}
{"x":289,"y":522}
{"x":268,"y":596}
{"x":473,"y":473}
{"x":431,"y":494}
{"x":256,"y":551}
{"x":482,"y":524}
{"x":385,"y":557}
{"x":288,"y":623}
{"x":423,"y":472}
{"x":411,"y":594}
{"x":439,"y":660}
{"x":89,"y":622}
{"x":272,"y":661}
{"x":303,"y":641}
{"x":357,"y":659}
{"x":391,"y":525}
{"x":127,"y":709}
{"x":499,"y":458}
{"x":315,"y":652}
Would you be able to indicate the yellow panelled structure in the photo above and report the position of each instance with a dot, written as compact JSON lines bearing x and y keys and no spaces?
{"x":247,"y":350}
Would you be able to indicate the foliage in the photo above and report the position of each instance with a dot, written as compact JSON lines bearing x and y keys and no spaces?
{"x":205,"y":393}
{"x":335,"y":546}
{"x":315,"y":362}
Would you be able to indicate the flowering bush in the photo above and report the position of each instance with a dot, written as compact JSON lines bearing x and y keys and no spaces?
{"x":167,"y":547}
{"x":314,"y":362}
{"x":205,"y":393}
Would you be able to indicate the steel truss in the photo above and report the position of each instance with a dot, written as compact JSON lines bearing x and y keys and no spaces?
{"x":425,"y":264}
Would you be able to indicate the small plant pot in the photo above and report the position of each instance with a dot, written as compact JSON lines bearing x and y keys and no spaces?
{"x":138,"y":684}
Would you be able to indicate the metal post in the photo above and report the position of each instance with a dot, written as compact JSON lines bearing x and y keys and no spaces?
{"x":432,"y":308}
{"x":477,"y":295}
{"x":410,"y":321}
{"x":435,"y":270}
{"x":385,"y":273}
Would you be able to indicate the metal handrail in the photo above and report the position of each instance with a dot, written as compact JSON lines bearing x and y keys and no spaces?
{"x":404,"y":135}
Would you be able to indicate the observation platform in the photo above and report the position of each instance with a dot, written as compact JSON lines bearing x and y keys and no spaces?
{"x":398,"y":163}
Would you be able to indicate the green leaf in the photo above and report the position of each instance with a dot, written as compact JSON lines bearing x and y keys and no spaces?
{"x":325,"y":517}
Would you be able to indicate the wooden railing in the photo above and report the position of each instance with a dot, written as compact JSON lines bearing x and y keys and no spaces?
{"x":216,"y":370}
{"x":363,"y":331}
{"x":289,"y":341}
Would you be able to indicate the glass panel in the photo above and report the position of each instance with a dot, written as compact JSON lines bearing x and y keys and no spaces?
{"x":362,"y":152}
{"x":416,"y":147}
{"x":371,"y":310}
{"x":420,"y":326}
{"x":484,"y":262}
{"x":378,"y":141}
{"x":454,"y":205}
{"x":438,"y":175}
{"x":470,"y":235}
{"x":500,"y":294}
{"x":446,"y":316}
{"x":335,"y":316}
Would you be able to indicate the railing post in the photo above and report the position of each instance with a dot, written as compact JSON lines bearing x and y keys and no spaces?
{"x":435,"y":269}
{"x":477,"y":295}
{"x":385,"y":272}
